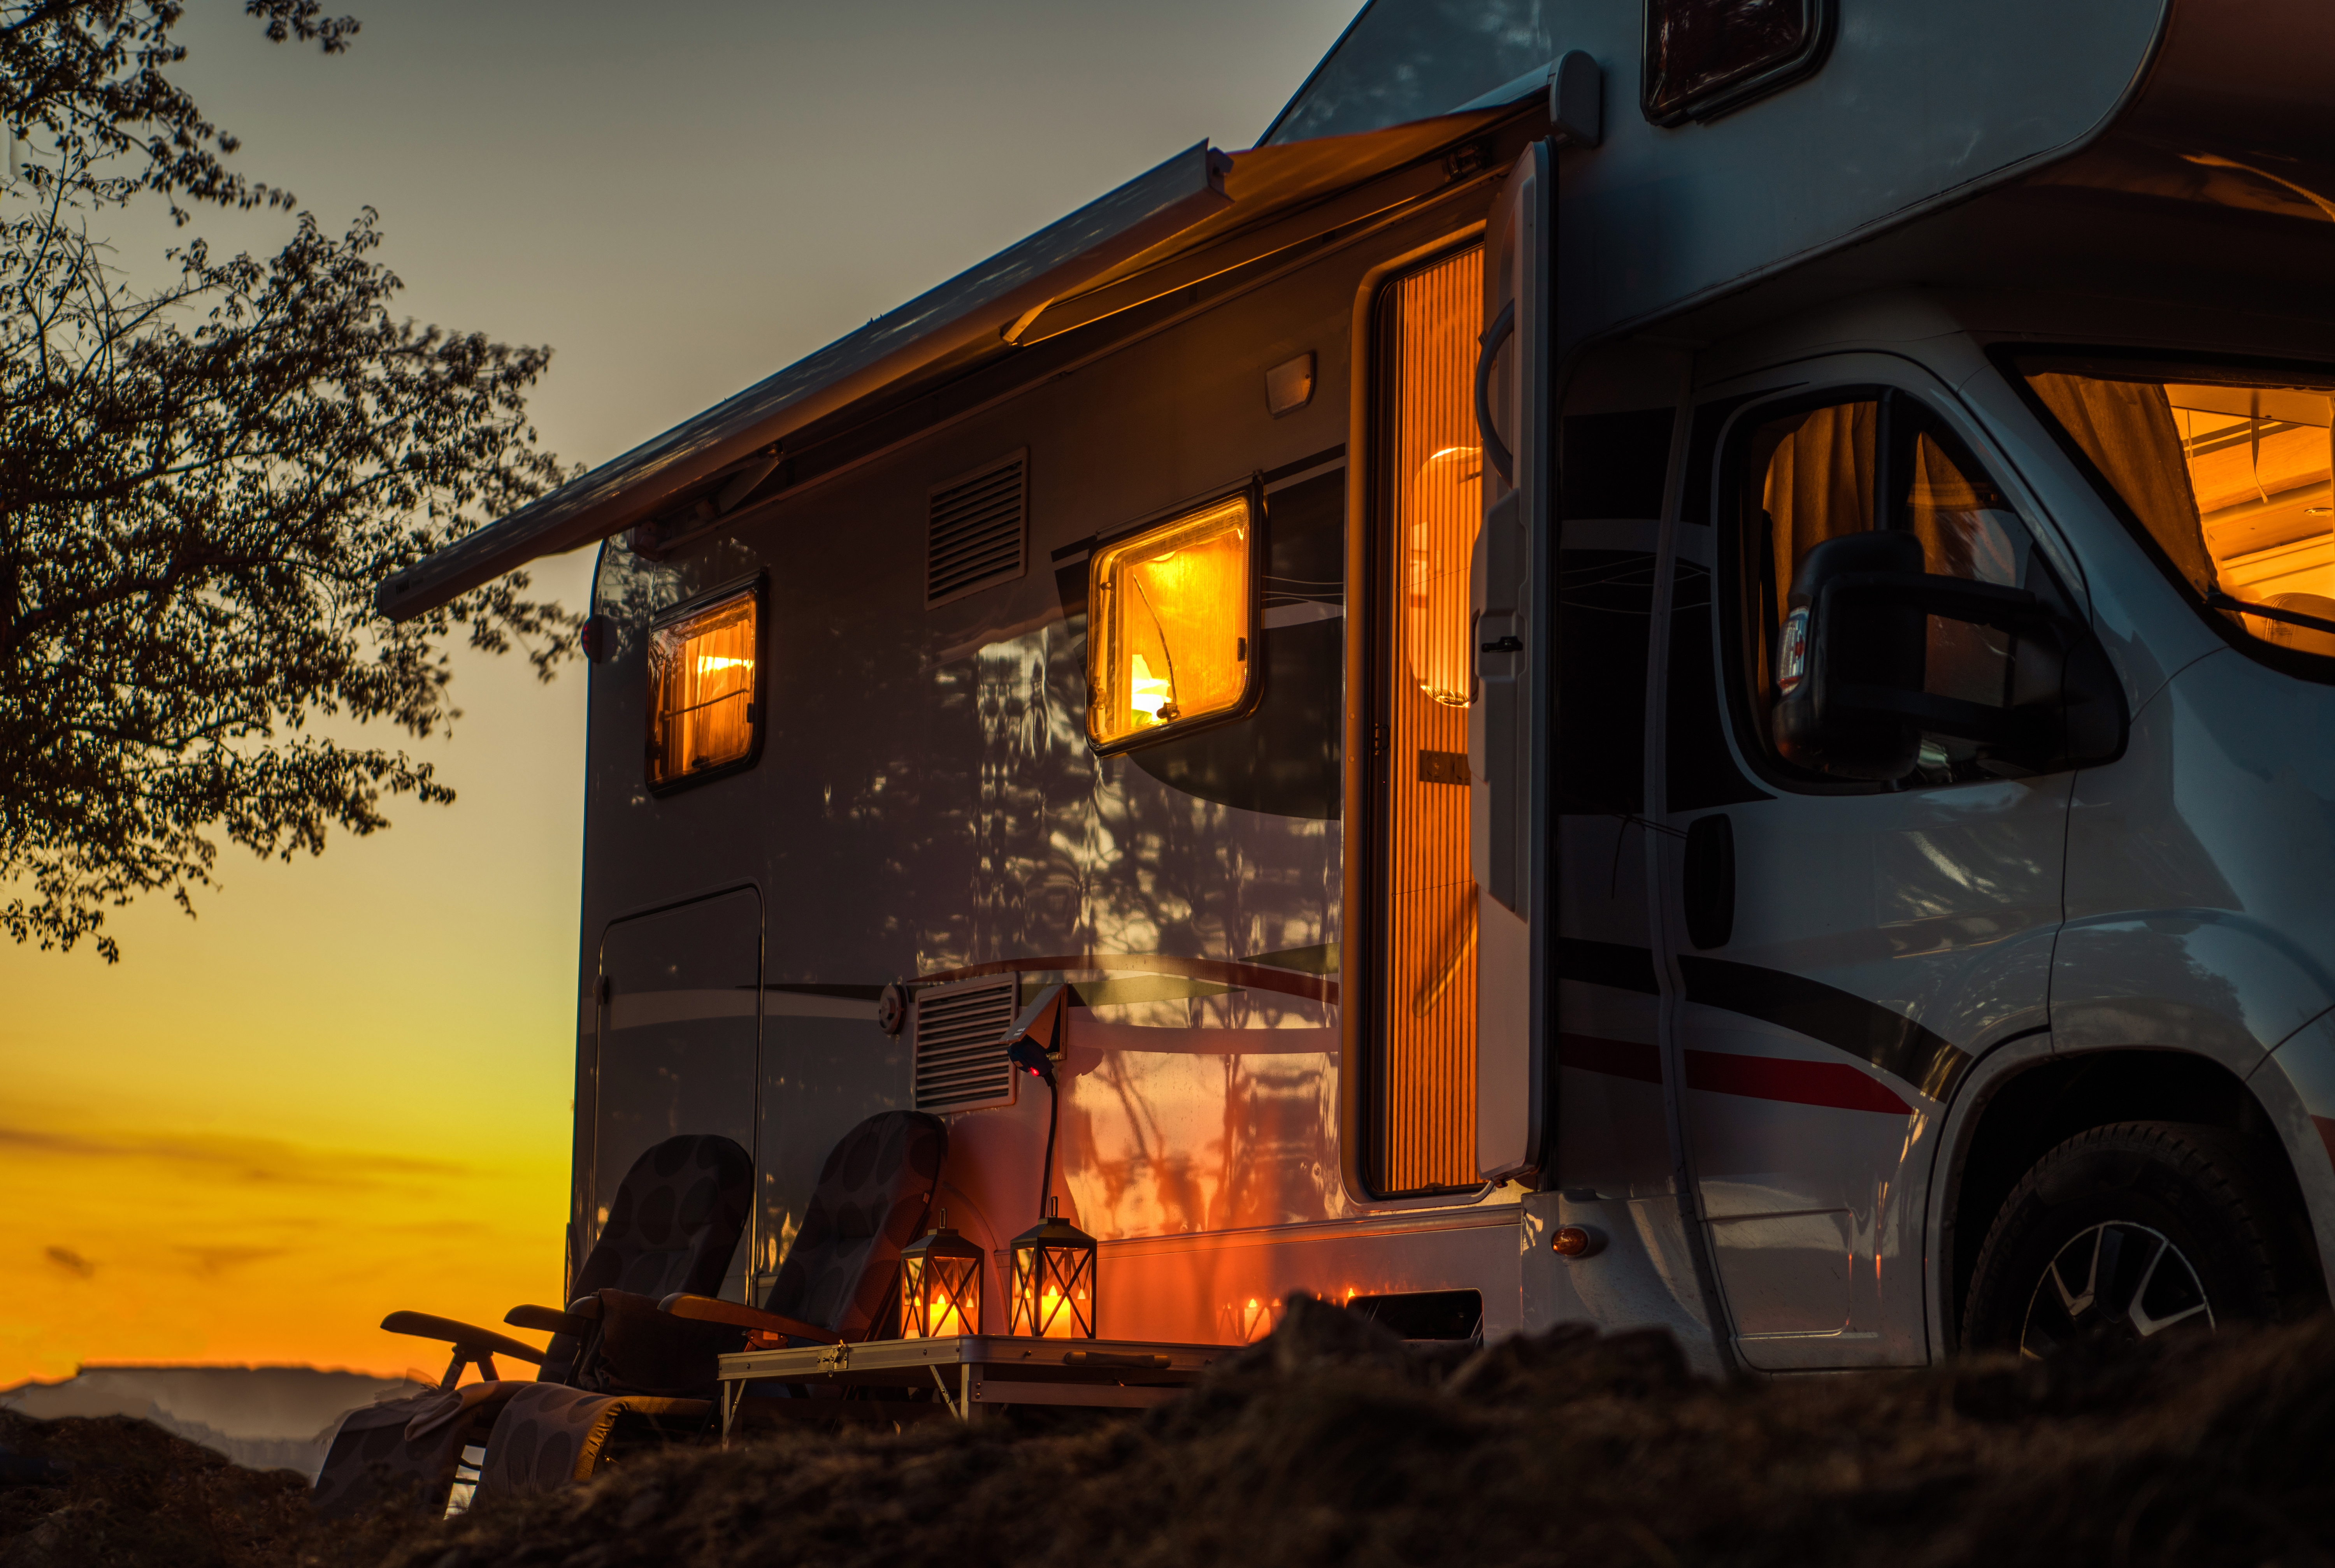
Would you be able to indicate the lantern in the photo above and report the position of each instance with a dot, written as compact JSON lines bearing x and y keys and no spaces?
{"x":1053,"y":1291}
{"x":940,"y":1285}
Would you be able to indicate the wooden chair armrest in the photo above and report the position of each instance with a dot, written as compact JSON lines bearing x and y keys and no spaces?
{"x":708,"y":1310}
{"x":462,"y":1335}
{"x":550,"y":1320}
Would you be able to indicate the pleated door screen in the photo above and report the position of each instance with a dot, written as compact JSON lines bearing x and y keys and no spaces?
{"x":1426,"y":1006}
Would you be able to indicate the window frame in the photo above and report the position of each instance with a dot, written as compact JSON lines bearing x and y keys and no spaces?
{"x":1735,"y":92}
{"x":2013,"y":362}
{"x":756,"y":587}
{"x":1250,"y":491}
{"x":1747,"y":730}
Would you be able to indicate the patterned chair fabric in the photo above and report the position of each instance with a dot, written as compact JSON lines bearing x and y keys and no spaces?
{"x":675,"y":1221}
{"x":641,"y":1349}
{"x":544,"y":1438}
{"x":872,"y":1199}
{"x":674,"y":1226}
{"x":406,"y":1448}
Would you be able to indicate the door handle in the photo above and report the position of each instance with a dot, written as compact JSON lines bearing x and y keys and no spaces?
{"x":1709,"y":891}
{"x":1503,"y":327}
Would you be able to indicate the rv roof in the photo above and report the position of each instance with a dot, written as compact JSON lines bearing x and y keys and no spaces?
{"x":2186,"y":112}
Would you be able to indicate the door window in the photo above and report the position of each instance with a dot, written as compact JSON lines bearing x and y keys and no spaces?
{"x":1875,"y":460}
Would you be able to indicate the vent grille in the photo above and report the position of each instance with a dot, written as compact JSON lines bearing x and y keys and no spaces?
{"x":979,"y":531}
{"x":960,"y":1045}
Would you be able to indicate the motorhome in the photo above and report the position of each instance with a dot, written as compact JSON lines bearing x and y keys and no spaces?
{"x":1671,"y":662}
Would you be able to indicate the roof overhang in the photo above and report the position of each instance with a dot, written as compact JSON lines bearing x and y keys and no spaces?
{"x":1194,"y":216}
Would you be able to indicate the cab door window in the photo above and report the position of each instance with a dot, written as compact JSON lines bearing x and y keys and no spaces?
{"x":1814,"y":471}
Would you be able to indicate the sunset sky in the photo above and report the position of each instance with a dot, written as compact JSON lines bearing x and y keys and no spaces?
{"x":346,"y":1087}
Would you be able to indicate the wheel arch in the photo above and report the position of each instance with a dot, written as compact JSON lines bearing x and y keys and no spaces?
{"x":2024,"y":1100}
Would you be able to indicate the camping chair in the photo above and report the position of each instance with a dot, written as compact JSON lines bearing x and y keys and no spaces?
{"x":873,"y":1195}
{"x":674,"y":1226}
{"x":871,"y":1199}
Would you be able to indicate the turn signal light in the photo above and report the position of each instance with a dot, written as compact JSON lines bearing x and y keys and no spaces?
{"x":1575,"y":1242}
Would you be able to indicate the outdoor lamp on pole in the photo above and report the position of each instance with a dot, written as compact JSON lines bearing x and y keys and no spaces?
{"x":1053,"y":1292}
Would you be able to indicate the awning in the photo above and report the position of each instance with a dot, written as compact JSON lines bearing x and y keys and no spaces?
{"x":1199,"y":213}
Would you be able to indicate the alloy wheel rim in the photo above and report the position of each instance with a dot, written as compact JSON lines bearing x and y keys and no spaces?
{"x":2115,"y":1281}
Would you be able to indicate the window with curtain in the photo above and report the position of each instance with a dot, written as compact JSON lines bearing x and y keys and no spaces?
{"x":2226,"y":472}
{"x":701,"y":688}
{"x":1878,"y":459}
{"x":1171,"y":624}
{"x":1425,"y":994}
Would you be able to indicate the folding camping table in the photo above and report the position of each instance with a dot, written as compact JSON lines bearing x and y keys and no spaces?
{"x":975,"y":1371}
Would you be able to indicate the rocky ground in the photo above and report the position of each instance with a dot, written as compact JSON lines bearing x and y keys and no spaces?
{"x":1331,"y":1444}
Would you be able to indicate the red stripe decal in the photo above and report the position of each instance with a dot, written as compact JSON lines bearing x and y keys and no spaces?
{"x":1828,"y":1083}
{"x":1615,"y":1058}
{"x":2326,"y":1126}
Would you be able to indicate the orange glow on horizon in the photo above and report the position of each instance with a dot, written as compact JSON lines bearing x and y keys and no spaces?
{"x":342,"y":1091}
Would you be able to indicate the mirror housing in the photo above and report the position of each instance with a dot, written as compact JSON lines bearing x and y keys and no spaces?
{"x":1850,"y":669}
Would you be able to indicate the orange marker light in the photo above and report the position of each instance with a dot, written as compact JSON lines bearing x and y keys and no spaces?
{"x":1572,"y":1242}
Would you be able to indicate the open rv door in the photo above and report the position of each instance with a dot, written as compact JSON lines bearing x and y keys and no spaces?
{"x":1507,"y":729}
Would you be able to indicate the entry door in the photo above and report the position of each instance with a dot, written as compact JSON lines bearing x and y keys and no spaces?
{"x":1513,"y":639}
{"x":1839,"y":950}
{"x":679,"y":1015}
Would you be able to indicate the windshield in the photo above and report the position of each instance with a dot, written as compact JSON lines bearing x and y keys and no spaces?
{"x":2227,"y":470}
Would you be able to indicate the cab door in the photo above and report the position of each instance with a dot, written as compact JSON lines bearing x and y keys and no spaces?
{"x":680,"y":1020}
{"x":1837,"y":951}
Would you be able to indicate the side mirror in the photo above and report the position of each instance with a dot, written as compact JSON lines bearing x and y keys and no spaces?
{"x":1850,"y":668}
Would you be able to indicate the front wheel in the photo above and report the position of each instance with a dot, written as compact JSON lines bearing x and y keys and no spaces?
{"x":2134,"y":1229}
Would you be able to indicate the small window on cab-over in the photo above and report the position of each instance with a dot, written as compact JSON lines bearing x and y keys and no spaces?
{"x":1173,"y":626}
{"x":1872,"y":459}
{"x":1705,"y":57}
{"x":702,"y":664}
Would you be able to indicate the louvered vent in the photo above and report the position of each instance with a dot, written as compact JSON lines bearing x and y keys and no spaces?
{"x":979,"y":528}
{"x":960,"y":1050}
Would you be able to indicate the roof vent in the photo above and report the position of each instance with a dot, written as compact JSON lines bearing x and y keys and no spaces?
{"x":979,"y":531}
{"x":960,"y":1044}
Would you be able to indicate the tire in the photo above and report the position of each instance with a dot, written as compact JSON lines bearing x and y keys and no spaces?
{"x":2136,"y":1229}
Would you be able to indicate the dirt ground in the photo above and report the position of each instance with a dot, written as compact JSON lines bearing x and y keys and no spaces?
{"x":1331,"y":1444}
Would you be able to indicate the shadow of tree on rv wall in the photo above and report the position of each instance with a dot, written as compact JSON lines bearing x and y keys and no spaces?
{"x":1329,"y":1443}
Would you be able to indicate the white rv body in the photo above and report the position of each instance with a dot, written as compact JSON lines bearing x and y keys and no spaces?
{"x":1788,"y":1144}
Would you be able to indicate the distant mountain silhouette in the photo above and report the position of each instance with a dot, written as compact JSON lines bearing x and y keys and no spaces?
{"x":261,"y":1417}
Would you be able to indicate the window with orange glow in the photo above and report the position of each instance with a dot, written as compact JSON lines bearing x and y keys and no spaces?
{"x":1425,"y":989}
{"x":701,"y":689}
{"x":1172,"y":625}
{"x":2228,"y":471}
